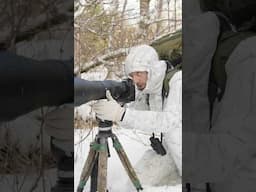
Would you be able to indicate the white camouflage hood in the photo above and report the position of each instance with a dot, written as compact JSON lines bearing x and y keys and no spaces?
{"x":145,"y":58}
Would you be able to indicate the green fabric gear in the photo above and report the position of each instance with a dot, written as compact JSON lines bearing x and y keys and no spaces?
{"x":166,"y":45}
{"x":137,"y":184}
{"x":169,"y":47}
{"x":82,"y":184}
{"x":175,"y":54}
{"x":169,"y":74}
{"x":99,"y":147}
{"x":117,"y":145}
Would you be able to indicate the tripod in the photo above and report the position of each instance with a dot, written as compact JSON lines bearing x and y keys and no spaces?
{"x":96,"y":162}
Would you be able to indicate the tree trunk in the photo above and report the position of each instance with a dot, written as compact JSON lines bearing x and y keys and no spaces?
{"x":159,"y":15}
{"x":144,"y":14}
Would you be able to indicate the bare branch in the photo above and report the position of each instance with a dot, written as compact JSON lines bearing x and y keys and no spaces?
{"x":101,"y":60}
{"x":21,"y":27}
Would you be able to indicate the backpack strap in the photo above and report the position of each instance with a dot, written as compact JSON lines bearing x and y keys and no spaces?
{"x":227,"y":43}
{"x":170,"y":71}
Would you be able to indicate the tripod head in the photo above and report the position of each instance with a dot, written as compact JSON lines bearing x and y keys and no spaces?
{"x":104,"y":125}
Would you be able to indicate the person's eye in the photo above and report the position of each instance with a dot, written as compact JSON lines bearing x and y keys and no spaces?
{"x":140,"y":74}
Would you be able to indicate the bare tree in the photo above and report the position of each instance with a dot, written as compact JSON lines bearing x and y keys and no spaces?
{"x":23,"y":20}
{"x":159,"y":15}
{"x":175,"y":15}
{"x":105,"y":30}
{"x":144,"y":14}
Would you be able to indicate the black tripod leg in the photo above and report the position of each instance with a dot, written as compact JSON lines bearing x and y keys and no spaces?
{"x":208,"y":187}
{"x":94,"y":176}
{"x":126,"y":163}
{"x":87,"y":169}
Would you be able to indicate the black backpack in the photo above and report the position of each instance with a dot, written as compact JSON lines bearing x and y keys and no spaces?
{"x":238,"y":11}
{"x":227,"y":42}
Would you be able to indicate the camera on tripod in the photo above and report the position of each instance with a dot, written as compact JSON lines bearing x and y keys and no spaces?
{"x":96,"y":163}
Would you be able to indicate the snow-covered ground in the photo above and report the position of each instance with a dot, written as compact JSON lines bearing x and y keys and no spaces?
{"x":135,"y":145}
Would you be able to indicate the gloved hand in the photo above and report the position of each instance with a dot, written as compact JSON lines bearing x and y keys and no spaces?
{"x":108,"y":109}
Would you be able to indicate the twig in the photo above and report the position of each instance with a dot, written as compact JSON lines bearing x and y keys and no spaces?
{"x":41,"y":171}
{"x":42,"y":149}
{"x":80,"y":141}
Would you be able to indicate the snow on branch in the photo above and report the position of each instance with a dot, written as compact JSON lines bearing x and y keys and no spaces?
{"x":104,"y":59}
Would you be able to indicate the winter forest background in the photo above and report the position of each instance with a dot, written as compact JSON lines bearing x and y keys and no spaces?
{"x":105,"y":30}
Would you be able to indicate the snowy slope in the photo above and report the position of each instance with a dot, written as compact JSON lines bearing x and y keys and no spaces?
{"x":135,"y":146}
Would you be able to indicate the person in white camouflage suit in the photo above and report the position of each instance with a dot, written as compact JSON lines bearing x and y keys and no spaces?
{"x":150,"y":112}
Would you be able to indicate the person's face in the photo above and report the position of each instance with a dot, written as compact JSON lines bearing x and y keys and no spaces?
{"x":140,"y":79}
